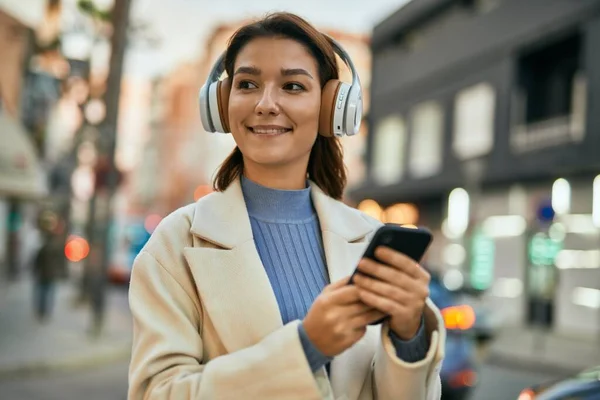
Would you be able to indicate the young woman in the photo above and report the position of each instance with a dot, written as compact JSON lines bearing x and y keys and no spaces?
{"x":244,"y":294}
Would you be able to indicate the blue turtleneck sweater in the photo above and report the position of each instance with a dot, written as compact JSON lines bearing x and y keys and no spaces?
{"x":288,"y":239}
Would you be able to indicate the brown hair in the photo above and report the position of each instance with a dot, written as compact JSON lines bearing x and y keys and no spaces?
{"x":326,"y":165}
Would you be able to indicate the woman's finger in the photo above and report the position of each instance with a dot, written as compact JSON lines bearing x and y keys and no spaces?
{"x":347,"y":294}
{"x":386,"y":273}
{"x":399,"y":261}
{"x":352,"y":310}
{"x":380,"y":303}
{"x":340,"y":283}
{"x":366,"y":318}
{"x":384,"y":289}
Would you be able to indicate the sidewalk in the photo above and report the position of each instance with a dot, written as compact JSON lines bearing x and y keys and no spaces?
{"x":550,"y":351}
{"x":27,"y":346}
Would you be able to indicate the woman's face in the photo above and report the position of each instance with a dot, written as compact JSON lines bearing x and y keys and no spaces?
{"x":274,"y":103}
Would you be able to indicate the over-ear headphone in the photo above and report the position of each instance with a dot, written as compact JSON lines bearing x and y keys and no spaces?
{"x":341,"y":103}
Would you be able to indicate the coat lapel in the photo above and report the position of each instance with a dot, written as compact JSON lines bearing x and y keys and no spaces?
{"x":345,"y":237}
{"x":231,"y":280}
{"x":344,"y":231}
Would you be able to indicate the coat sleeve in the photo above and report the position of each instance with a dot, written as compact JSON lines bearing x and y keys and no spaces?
{"x":395,"y":379}
{"x":167,"y":349}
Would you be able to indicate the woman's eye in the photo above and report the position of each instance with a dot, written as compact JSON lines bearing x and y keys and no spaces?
{"x":246,"y":85}
{"x":294,"y":87}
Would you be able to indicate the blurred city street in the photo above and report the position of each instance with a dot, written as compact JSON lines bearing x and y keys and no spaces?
{"x":63,"y":343}
{"x":479,"y":122}
{"x":108,"y":382}
{"x":60,"y":361}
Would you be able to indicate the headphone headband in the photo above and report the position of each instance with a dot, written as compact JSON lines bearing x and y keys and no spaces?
{"x":217,"y":69}
{"x":347,"y":60}
{"x":219,"y":65}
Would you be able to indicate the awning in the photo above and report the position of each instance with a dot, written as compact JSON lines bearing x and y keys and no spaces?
{"x":21,"y":174}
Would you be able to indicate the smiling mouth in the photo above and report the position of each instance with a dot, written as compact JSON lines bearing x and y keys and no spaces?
{"x":268,"y":131}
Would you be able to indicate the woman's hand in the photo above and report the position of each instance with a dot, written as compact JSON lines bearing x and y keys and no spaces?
{"x":338,"y":318}
{"x":396,"y":286}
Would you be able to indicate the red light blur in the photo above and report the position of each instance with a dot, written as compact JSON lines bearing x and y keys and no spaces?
{"x":464,"y":378}
{"x":76,"y":249}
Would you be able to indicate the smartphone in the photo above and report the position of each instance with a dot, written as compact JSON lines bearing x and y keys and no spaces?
{"x":413,"y":242}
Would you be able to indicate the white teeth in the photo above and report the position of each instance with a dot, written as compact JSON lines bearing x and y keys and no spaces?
{"x":269,"y":131}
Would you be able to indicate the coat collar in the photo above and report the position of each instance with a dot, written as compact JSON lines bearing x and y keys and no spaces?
{"x":221,"y":218}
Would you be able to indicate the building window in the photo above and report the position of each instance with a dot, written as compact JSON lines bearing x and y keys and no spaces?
{"x":388,"y":150}
{"x":474,"y":121}
{"x":550,"y":100}
{"x":426,"y":138}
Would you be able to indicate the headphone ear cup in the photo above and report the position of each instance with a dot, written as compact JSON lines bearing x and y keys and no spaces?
{"x":204,"y":103}
{"x":218,"y":95}
{"x":328,"y":101}
{"x":223,"y":91}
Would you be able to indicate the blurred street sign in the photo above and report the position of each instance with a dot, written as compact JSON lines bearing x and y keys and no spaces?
{"x":483,"y":251}
{"x":542,"y":249}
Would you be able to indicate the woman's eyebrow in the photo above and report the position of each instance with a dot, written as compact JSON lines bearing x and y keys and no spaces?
{"x":284,"y":71}
{"x":295,"y":71}
{"x":247,"y":70}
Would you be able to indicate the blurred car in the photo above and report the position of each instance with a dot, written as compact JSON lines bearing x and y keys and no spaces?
{"x":459,"y":372}
{"x":487,"y":323}
{"x":485,"y":326}
{"x":582,"y":386}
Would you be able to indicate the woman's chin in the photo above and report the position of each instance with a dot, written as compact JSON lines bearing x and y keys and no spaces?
{"x":266,"y":161}
{"x":276,"y":156}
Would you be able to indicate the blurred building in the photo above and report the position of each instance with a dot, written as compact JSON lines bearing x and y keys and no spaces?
{"x":188,"y":156}
{"x":21,"y":174}
{"x":18,"y":177}
{"x":485,"y":119}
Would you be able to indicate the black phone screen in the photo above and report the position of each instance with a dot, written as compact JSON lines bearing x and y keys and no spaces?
{"x":409,"y":241}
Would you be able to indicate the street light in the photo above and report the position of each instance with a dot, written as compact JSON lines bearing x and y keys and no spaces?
{"x":371,"y":208}
{"x":458,"y":212}
{"x":561,"y":196}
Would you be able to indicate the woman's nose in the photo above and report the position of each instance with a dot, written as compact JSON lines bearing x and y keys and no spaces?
{"x":268,"y":103}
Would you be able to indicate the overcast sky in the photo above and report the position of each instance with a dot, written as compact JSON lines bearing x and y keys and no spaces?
{"x":183,"y":24}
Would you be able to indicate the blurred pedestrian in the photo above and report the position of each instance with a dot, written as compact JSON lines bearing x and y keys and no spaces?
{"x":49,"y":264}
{"x":245,"y":295}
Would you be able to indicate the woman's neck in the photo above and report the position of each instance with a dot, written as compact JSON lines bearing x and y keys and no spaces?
{"x":284,"y":178}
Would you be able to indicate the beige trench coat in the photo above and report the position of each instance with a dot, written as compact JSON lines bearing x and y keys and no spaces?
{"x":207,"y":324}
